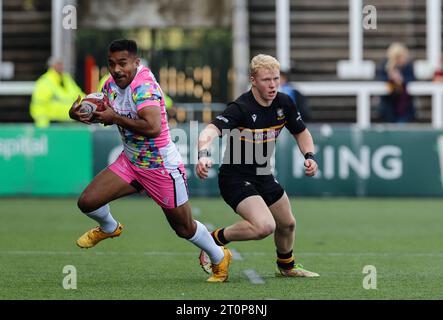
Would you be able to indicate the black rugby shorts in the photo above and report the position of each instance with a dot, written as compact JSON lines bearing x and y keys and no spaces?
{"x":234,"y":188}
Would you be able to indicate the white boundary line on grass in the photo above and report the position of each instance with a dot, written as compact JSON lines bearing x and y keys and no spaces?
{"x":253,"y":276}
{"x":236,"y":255}
{"x":361,"y":254}
{"x":111,"y":253}
{"x":185,"y":253}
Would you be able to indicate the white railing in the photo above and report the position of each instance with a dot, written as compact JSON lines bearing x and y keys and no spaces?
{"x":16,"y":88}
{"x":435,"y":90}
{"x":364,"y":90}
{"x":361,"y":90}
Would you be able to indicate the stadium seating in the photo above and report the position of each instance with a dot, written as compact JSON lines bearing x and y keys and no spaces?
{"x":319,"y":38}
{"x":26,"y":43}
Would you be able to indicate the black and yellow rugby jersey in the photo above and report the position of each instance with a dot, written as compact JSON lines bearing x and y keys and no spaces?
{"x":253,"y":129}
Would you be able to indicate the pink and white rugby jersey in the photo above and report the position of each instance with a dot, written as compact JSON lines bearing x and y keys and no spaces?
{"x":143,"y":92}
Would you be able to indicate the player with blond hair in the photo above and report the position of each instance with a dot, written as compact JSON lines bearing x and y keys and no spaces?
{"x":252,"y":124}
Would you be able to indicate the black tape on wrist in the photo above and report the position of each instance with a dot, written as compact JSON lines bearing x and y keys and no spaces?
{"x":309,"y":155}
{"x":204,"y":153}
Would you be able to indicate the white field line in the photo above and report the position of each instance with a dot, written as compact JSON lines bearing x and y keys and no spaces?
{"x":104,"y":253}
{"x":253,"y":276}
{"x":187,"y":253}
{"x":236,"y":255}
{"x":359,"y":254}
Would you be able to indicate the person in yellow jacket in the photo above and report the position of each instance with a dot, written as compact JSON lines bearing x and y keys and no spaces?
{"x":53,"y":95}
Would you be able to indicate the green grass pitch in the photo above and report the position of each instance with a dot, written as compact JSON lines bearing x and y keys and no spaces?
{"x":401,"y":238}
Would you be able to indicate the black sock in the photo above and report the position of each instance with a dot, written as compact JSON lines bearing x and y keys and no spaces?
{"x":285,"y":260}
{"x":219,"y":237}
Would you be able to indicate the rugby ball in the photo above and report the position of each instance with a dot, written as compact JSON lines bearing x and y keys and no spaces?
{"x":93,"y":102}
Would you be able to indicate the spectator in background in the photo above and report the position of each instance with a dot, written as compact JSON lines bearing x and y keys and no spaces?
{"x":53,"y":95}
{"x":296,"y":96}
{"x":397,"y":71}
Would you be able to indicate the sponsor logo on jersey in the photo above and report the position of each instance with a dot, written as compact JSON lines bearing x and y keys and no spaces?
{"x":298,"y":116}
{"x":221,"y":118}
{"x":260,"y":135}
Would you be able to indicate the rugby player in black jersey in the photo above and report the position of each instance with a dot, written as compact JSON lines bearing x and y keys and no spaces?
{"x":253,"y":123}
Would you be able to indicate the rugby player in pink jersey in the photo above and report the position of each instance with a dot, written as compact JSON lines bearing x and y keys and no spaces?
{"x":150,"y":161}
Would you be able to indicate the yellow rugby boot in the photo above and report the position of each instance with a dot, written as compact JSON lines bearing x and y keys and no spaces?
{"x":297,"y":271}
{"x":220,"y":271}
{"x":90,"y":238}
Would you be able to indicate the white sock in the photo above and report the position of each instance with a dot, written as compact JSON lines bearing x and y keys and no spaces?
{"x":203,"y":239}
{"x":104,"y":218}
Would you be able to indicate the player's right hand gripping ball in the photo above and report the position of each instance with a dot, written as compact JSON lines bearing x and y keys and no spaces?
{"x":93,"y":102}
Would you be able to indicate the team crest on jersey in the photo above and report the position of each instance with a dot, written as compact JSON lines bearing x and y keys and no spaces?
{"x":254,"y":117}
{"x":280,"y":114}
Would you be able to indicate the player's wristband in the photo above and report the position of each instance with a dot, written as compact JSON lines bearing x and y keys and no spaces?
{"x":309,"y":155}
{"x":204,"y":153}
